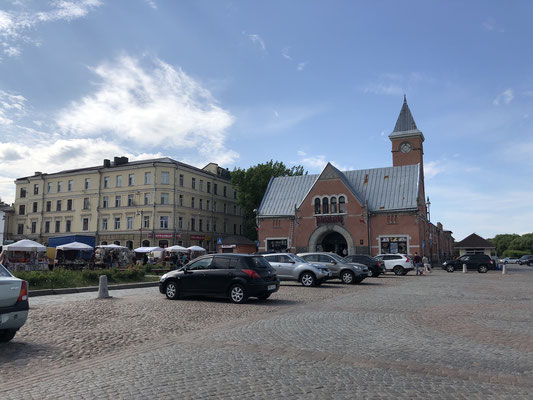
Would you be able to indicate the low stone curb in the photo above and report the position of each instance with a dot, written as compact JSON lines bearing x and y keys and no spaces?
{"x":49,"y":292}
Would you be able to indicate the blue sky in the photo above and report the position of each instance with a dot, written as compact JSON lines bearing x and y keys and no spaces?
{"x":303,"y":82}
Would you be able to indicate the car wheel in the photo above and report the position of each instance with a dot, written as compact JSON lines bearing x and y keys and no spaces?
{"x":347,"y":277}
{"x":264,"y":297}
{"x":307,"y":279}
{"x":482,"y":269}
{"x":171,"y":290}
{"x":398,"y":270}
{"x":450,"y":268}
{"x":6,"y":336}
{"x":371,"y":273}
{"x":237,"y":294}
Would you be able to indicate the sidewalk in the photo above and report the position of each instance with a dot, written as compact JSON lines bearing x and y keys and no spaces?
{"x":48,"y":292}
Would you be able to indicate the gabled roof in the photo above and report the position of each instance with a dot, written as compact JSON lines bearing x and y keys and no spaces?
{"x":405,"y":124}
{"x":385,"y":189}
{"x":474,"y":242}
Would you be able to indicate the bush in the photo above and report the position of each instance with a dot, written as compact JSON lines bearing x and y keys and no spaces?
{"x":514,"y":253}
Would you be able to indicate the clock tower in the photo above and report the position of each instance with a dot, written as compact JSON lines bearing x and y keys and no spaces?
{"x":407,"y":140}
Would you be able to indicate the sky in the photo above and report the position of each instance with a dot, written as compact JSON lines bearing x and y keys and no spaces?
{"x":303,"y":82}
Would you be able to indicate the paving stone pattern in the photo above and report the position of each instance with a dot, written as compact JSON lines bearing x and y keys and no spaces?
{"x":442,"y":336}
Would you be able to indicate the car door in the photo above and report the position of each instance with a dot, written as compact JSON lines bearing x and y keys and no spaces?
{"x":273,"y":260}
{"x":466,"y":259}
{"x":220,"y":274}
{"x":285,"y":268}
{"x":194,"y":279}
{"x":331,"y":263}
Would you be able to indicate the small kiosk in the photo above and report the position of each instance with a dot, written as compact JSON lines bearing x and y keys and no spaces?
{"x":24,"y":255}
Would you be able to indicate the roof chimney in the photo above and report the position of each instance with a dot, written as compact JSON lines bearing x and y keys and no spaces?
{"x":107,"y":163}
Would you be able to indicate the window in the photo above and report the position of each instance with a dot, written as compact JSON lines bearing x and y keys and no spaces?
{"x":234,"y":229}
{"x":68,"y":225}
{"x":201,"y":185}
{"x":163,"y":221}
{"x":200,"y":225}
{"x":105,"y":203}
{"x":130,"y":200}
{"x":58,"y":226}
{"x":234,"y":210}
{"x":147,"y":178}
{"x":334,"y":205}
{"x":49,"y":187}
{"x":215,"y":225}
{"x":215,"y":188}
{"x":146,"y":221}
{"x":85,"y":203}
{"x":59,"y":187}
{"x":181,"y":180}
{"x":276,"y":223}
{"x":85,"y":224}
{"x":119,"y":181}
{"x":392,"y":219}
{"x":207,"y":225}
{"x":325,"y":205}
{"x":342,"y":204}
{"x":33,"y":226}
{"x":164,"y":198}
{"x":201,"y":205}
{"x":34,"y":206}
{"x":192,"y":202}
{"x":193,"y":183}
{"x":22,"y":192}
{"x":214,"y":205}
{"x":48,"y":206}
{"x":207,"y":205}
{"x":106,"y":182}
{"x":208,"y":187}
{"x":104,"y":224}
{"x":129,"y":222}
{"x":146,"y":199}
{"x":225,"y":191}
{"x":69,"y":205}
{"x":35,"y":188}
{"x":131,"y":179}
{"x":165,"y":177}
{"x":87,"y":183}
{"x":181,"y":200}
{"x":225,"y":208}
{"x":225,"y":226}
{"x":20,"y":229}
{"x":118,"y":201}
{"x":235,"y":194}
{"x":193,"y":224}
{"x":58,"y":205}
{"x":117,"y":222}
{"x":69,"y":185}
{"x":180,"y":222}
{"x":47,"y":227}
{"x":317,"y":206}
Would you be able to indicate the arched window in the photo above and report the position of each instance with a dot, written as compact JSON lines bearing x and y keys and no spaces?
{"x":163,"y":243}
{"x":104,"y":242}
{"x":334,"y":205}
{"x":146,"y":243}
{"x":325,"y":206}
{"x":117,"y":242}
{"x":317,"y":206}
{"x":342,"y":204}
{"x":129,"y":244}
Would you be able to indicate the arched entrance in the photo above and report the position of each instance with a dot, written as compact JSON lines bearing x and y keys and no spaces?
{"x":334,"y":242}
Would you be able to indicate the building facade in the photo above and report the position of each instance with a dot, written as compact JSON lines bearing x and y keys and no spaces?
{"x":380,"y":210}
{"x":158,"y":202}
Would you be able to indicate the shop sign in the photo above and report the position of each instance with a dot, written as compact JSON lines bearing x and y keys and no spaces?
{"x":329,"y":219}
{"x":197,"y":237}
{"x":228,"y":246}
{"x":161,"y":235}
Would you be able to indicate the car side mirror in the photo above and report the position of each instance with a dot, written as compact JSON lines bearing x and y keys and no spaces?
{"x":334,"y":262}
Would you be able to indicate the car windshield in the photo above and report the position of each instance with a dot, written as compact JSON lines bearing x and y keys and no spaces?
{"x":296,"y":258}
{"x":4,"y":273}
{"x":257,"y":262}
{"x":337,"y":257}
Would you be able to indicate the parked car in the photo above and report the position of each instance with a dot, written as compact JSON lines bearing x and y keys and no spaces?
{"x":290,"y":267}
{"x":480,"y":262}
{"x":509,"y":260}
{"x":340,"y":269}
{"x":233,"y":276}
{"x":375,"y":267}
{"x":14,"y":304}
{"x":526,"y":260}
{"x":400,"y":264}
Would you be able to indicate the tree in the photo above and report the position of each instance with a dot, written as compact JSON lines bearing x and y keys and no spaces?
{"x":502,"y":242}
{"x":251,"y":185}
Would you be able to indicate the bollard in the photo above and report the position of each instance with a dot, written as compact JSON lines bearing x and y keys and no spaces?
{"x":504,"y":269}
{"x":464,"y":268}
{"x":102,"y":288}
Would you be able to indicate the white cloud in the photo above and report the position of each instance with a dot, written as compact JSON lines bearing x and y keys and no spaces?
{"x":431,"y":169}
{"x":316,"y":163}
{"x":504,"y":97}
{"x":257,"y":40}
{"x":16,"y":24}
{"x":285,"y":53}
{"x":394,"y":84}
{"x":152,"y":4}
{"x":11,"y":107}
{"x":301,"y":66}
{"x":490,"y":25}
{"x":383,"y":88}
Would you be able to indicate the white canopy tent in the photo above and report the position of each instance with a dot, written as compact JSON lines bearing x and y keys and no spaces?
{"x":147,"y":249}
{"x":75,"y":246}
{"x":25,"y":245}
{"x":112,"y":246}
{"x":195,"y":248}
{"x":176,"y":249}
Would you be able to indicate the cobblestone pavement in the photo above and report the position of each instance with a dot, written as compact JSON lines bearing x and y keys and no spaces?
{"x":442,"y":336}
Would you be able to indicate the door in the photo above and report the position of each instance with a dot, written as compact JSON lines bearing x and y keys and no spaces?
{"x":330,"y":262}
{"x":220,"y":275}
{"x":285,"y":266}
{"x":194,"y":279}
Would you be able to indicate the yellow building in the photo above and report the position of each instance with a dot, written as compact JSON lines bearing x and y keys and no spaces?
{"x":155,"y":202}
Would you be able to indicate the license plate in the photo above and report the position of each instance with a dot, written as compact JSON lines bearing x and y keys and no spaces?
{"x":271,"y":287}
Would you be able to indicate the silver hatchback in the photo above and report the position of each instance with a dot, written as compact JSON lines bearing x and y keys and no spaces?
{"x":293,"y":268}
{"x":347,"y":272}
{"x":13,"y":304}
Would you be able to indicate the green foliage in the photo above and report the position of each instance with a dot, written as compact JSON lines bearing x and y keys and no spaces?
{"x":514,"y":253}
{"x":513,"y":242}
{"x":62,"y":278}
{"x":251,"y":185}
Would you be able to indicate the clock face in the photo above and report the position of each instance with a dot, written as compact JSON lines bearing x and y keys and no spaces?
{"x":406,"y":147}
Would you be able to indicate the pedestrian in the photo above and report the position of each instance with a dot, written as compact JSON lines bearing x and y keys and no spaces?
{"x":145,"y":259}
{"x":183,"y":259}
{"x":174,"y":261}
{"x":417,"y":260}
{"x":427,"y":265}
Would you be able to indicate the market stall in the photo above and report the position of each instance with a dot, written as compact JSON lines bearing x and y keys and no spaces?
{"x":112,"y":256}
{"x":24,"y":255}
{"x":195,"y":251}
{"x":73,"y":255}
{"x":147,"y":254}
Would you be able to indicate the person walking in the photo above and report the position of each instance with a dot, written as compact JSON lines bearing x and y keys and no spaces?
{"x":427,"y":266}
{"x":417,"y":261}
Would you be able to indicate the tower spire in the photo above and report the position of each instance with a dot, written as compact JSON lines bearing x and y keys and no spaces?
{"x":405,"y":124}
